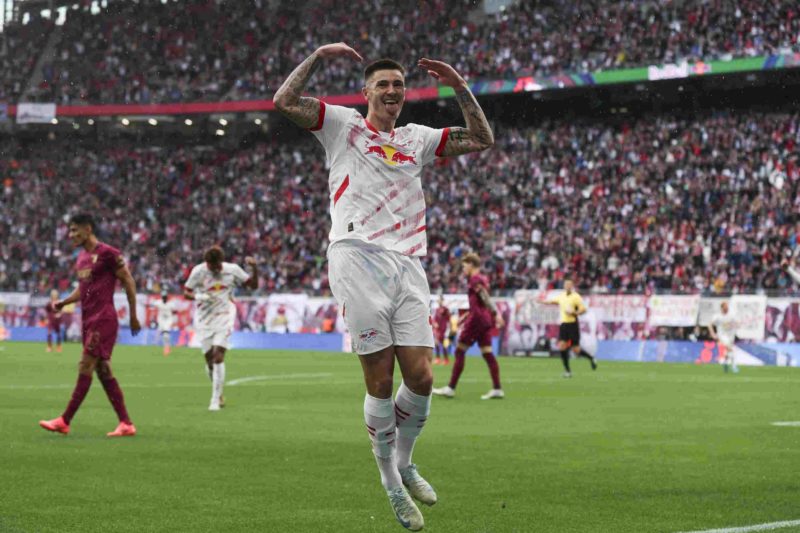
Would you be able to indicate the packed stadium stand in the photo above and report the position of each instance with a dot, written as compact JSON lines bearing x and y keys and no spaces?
{"x":697,"y":201}
{"x":655,"y":203}
{"x":154,"y":51}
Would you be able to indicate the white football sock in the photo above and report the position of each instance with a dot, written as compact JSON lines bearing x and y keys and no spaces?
{"x":411,"y":411}
{"x":217,"y":382}
{"x":165,"y":338}
{"x":379,"y":417}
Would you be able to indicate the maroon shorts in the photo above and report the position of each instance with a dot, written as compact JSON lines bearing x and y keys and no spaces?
{"x":99,"y":337}
{"x":474,"y":331}
{"x":54,"y":326}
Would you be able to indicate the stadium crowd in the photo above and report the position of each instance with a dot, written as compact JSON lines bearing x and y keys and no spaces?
{"x":704,"y":204}
{"x":151,"y":51}
{"x":19,"y":51}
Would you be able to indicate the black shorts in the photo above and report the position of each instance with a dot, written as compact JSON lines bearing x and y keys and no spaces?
{"x":570,"y":332}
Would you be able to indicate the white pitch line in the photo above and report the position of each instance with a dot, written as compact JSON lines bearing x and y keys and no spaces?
{"x":745,"y":529}
{"x":787,"y":424}
{"x":250,"y":379}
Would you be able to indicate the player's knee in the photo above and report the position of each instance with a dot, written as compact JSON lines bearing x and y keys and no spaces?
{"x":104,"y":371}
{"x":380,"y":387}
{"x":421,"y":382}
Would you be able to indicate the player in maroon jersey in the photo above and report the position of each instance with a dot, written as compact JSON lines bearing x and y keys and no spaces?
{"x":99,"y":266}
{"x":53,"y":322}
{"x":441,"y":321}
{"x":477,"y":327}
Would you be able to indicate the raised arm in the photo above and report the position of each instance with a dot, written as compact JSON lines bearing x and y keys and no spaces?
{"x":477,"y":136}
{"x":793,"y":272}
{"x":304,"y":110}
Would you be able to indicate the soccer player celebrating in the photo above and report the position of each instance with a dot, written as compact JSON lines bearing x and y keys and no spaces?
{"x":441,"y":320}
{"x":723,"y":330}
{"x":211,"y":285}
{"x":569,"y":333}
{"x":477,"y":327}
{"x":53,"y":322}
{"x":165,"y":319}
{"x":99,"y":266}
{"x":377,"y":236}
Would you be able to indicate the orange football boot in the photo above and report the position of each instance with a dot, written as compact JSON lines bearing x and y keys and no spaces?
{"x":123,"y":430}
{"x":57,"y":425}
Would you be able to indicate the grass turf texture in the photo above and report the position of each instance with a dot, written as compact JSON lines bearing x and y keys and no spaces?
{"x":632,"y":447}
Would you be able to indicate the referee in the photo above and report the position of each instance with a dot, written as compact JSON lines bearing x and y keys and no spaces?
{"x":569,"y":333}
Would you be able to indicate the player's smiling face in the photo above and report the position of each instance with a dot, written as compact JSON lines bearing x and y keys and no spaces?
{"x":78,"y":234}
{"x":385,"y":93}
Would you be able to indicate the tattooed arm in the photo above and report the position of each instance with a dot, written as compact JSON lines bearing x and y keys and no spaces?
{"x":478,"y":134}
{"x":303,"y":110}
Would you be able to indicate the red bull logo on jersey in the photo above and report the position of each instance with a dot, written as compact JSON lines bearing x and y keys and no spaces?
{"x":391,"y":155}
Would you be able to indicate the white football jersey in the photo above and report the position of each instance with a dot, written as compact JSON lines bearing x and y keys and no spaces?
{"x":165,"y":313}
{"x":375,"y":187}
{"x":218,"y":311}
{"x":726,"y":326}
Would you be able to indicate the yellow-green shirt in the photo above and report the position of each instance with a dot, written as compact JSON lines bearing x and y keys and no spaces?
{"x":569,"y":303}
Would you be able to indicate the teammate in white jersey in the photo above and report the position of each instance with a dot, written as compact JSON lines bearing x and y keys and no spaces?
{"x":165,"y":319}
{"x":211,"y":285}
{"x":723,"y":330}
{"x":377,"y":235}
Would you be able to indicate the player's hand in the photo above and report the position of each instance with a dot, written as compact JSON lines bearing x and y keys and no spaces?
{"x":785,"y":264}
{"x":250,"y":261}
{"x":444,"y":73}
{"x":498,"y":321}
{"x":338,"y":50}
{"x":135,"y":326}
{"x":58,"y":306}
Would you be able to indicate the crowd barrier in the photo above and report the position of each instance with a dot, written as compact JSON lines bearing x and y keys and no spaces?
{"x":616,"y":326}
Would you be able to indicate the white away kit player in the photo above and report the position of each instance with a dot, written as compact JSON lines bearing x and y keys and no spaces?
{"x":211,"y":285}
{"x":165,"y":320}
{"x":723,"y":329}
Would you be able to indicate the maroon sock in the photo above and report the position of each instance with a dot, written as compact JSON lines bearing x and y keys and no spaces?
{"x":494,"y":369}
{"x":114,"y":394}
{"x":49,"y":341}
{"x":458,"y":367}
{"x":78,"y":394}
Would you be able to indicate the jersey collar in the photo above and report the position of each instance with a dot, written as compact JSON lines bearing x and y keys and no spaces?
{"x":376,"y":130}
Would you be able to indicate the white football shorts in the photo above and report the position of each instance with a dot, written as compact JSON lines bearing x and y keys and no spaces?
{"x":384,"y":296}
{"x":214,"y":337}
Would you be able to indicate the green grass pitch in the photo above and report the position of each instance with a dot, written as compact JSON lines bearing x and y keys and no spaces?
{"x":629,"y":448}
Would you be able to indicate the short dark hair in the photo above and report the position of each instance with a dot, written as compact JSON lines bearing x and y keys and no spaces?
{"x":214,"y":255}
{"x":382,"y":64}
{"x":472,"y":259}
{"x":83,"y":219}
